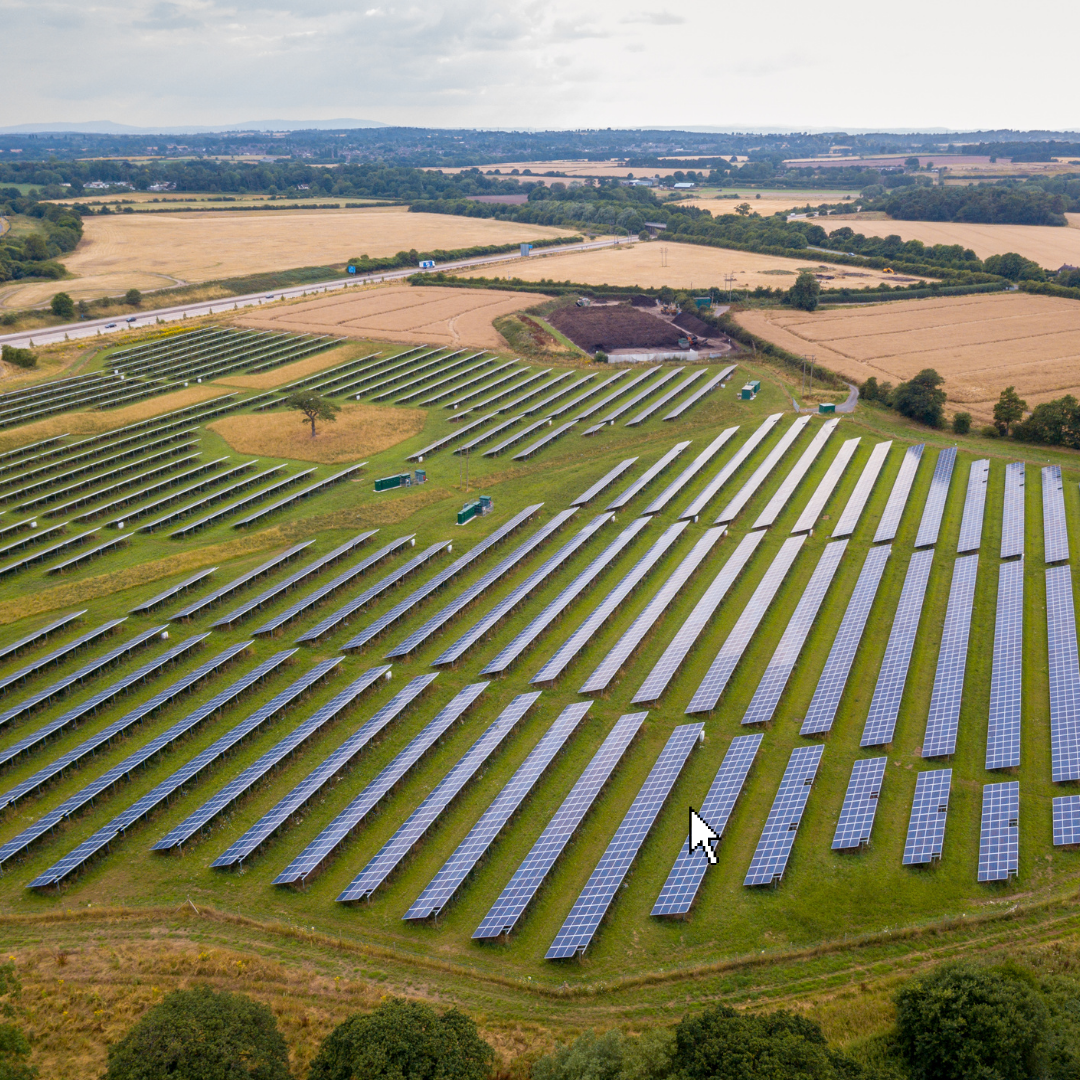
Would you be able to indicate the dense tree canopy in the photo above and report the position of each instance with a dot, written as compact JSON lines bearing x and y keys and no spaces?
{"x":921,"y":398}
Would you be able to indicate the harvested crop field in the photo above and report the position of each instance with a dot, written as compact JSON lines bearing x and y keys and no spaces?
{"x":145,"y":251}
{"x":1048,"y":245}
{"x":981,"y":344}
{"x":425,"y":315}
{"x":681,"y":266}
{"x":358,"y":431}
{"x":616,"y":327}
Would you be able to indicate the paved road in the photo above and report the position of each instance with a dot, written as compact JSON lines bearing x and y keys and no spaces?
{"x":94,"y":327}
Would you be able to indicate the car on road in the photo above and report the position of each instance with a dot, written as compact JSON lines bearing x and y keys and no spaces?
{"x":110,"y":326}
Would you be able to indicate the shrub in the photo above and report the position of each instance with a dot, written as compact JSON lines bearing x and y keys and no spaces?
{"x":805,"y":293}
{"x":14,"y":1048}
{"x":62,"y":305}
{"x":611,"y":1056}
{"x":988,"y":431}
{"x":9,"y":318}
{"x":600,"y":356}
{"x":921,"y":398}
{"x":403,"y":1040}
{"x":133,"y":297}
{"x":961,"y":423}
{"x":201,"y":1034}
{"x":19,"y":357}
{"x":870,"y":390}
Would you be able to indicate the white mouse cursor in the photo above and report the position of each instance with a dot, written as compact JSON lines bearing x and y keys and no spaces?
{"x":701,"y":835}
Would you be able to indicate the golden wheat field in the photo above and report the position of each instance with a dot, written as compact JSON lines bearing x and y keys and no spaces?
{"x":681,"y":266}
{"x":358,"y":431}
{"x":422,"y":315}
{"x":144,"y":251}
{"x":1048,"y":245}
{"x":981,"y":344}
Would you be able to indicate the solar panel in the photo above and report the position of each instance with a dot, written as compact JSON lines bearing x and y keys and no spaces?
{"x":637,"y":398}
{"x":414,"y":640}
{"x":483,"y":437}
{"x":898,"y":497}
{"x":456,"y":869}
{"x":87,"y":553}
{"x":860,"y":494}
{"x":498,"y":384}
{"x":603,"y":611}
{"x":446,"y":440}
{"x":550,"y":437}
{"x":44,"y":553}
{"x":620,"y":652}
{"x":780,"y":666}
{"x":794,"y":478}
{"x":757,"y":478}
{"x":206,"y":500}
{"x":999,"y":838}
{"x":617,"y":392}
{"x":889,"y":690}
{"x":92,"y":667}
{"x":175,"y":495}
{"x":930,"y":524}
{"x":389,"y":856}
{"x":129,"y":497}
{"x":1055,"y":533}
{"x":448,"y":380}
{"x":527,"y":636}
{"x":683,"y":881}
{"x":325,"y":771}
{"x":32,"y":538}
{"x":1006,"y":677}
{"x":458,"y":649}
{"x":100,"y":738}
{"x":663,"y":399}
{"x":504,"y":914}
{"x":311,"y":569}
{"x":860,"y":804}
{"x":647,"y":477}
{"x":452,"y":383}
{"x":40,"y":635}
{"x":238,"y":583}
{"x":664,"y":669}
{"x":929,"y":809}
{"x":944,"y":715}
{"x":503,"y":392}
{"x":726,"y":660}
{"x":833,"y":679}
{"x":543,"y":403}
{"x":689,"y":472}
{"x":1064,"y":675}
{"x":57,"y":654}
{"x":774,"y":847}
{"x":424,"y":380}
{"x":74,"y":859}
{"x":974,"y":507}
{"x":247,"y":500}
{"x":573,"y":403}
{"x":812,"y":511}
{"x":1012,"y":513}
{"x":698,"y":394}
{"x":309,"y":861}
{"x":247,"y":778}
{"x":592,"y":904}
{"x":296,"y":496}
{"x":1067,"y":820}
{"x":605,"y":481}
{"x":517,"y":436}
{"x":102,"y":697}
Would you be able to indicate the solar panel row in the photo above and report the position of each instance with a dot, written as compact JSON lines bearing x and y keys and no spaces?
{"x":303,"y":493}
{"x":550,"y":437}
{"x":944,"y":716}
{"x":424,"y":374}
{"x":88,"y":553}
{"x":1055,"y":533}
{"x":446,"y":440}
{"x":664,"y":669}
{"x":834,"y":676}
{"x":527,"y":636}
{"x":176,"y":495}
{"x":596,"y":406}
{"x":498,"y":391}
{"x":458,"y":649}
{"x":685,"y":877}
{"x":605,"y":481}
{"x":898,"y":497}
{"x":172,"y":591}
{"x":689,"y":472}
{"x":400,"y":375}
{"x":860,"y":804}
{"x":573,"y":403}
{"x":206,"y":500}
{"x":647,"y":477}
{"x":438,"y":892}
{"x":311,"y":859}
{"x":37,"y":636}
{"x":974,"y":507}
{"x":1064,"y":675}
{"x":930,"y":523}
{"x":816,"y":503}
{"x":701,"y":392}
{"x":453,"y":385}
{"x":41,"y":554}
{"x":794,"y":478}
{"x":767,"y":695}
{"x":1012,"y":512}
{"x":545,"y":402}
{"x":596,"y":897}
{"x":1006,"y":676}
{"x":620,"y":652}
{"x":224,"y":511}
{"x":726,"y":660}
{"x":414,"y":640}
{"x":1067,"y":820}
{"x":999,"y":837}
{"x":929,"y":809}
{"x":517,"y":436}
{"x":663,"y":399}
{"x":860,"y":494}
{"x":447,"y":382}
{"x":323,"y":773}
{"x":603,"y":611}
{"x":640,"y":396}
{"x":892,"y":676}
{"x":57,"y":654}
{"x":504,"y":914}
{"x":170,"y":478}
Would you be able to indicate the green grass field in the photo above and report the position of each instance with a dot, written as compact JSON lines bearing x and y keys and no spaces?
{"x":835,"y":922}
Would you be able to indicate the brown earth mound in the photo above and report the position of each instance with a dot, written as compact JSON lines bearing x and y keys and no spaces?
{"x":693,"y":324}
{"x":643,"y":301}
{"x":620,"y":327}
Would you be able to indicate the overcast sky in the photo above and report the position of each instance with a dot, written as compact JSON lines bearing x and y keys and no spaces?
{"x":554,"y":64}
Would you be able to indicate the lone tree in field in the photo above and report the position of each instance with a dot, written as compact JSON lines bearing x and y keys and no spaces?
{"x":805,"y":292}
{"x":1009,"y":410}
{"x":313,"y":407}
{"x":921,"y":398}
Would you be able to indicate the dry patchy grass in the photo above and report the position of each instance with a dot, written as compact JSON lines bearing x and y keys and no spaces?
{"x":424,"y":315}
{"x":359,"y":430}
{"x":981,"y":344}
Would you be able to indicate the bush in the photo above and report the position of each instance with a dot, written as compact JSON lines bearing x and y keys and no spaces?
{"x":962,"y":1022}
{"x":14,"y":1048}
{"x":403,"y":1040}
{"x":1051,"y":423}
{"x":805,"y":293}
{"x":9,"y":318}
{"x":133,"y":297}
{"x":961,"y":423}
{"x":921,"y":398}
{"x":600,"y":356}
{"x":988,"y":431}
{"x":869,"y":390}
{"x":611,"y":1056}
{"x":202,"y":1035}
{"x":62,"y":305}
{"x":23,"y":358}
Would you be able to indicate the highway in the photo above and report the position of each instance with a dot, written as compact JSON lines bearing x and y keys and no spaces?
{"x":115,"y":324}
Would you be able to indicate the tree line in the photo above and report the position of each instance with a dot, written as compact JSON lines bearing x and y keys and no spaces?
{"x":33,"y":254}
